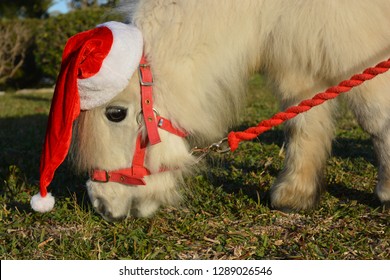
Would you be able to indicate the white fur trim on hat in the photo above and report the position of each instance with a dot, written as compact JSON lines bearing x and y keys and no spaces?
{"x":117,"y":68}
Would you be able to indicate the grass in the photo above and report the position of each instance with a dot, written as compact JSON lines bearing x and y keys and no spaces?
{"x":225,"y":214}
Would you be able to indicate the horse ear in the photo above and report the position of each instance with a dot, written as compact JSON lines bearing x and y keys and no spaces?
{"x":96,"y":65}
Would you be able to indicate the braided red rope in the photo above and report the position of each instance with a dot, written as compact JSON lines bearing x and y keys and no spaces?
{"x":234,"y":138}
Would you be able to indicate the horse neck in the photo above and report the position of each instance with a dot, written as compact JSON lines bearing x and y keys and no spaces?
{"x":201,"y":53}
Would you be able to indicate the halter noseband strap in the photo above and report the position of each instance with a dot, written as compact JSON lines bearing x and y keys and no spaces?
{"x":135,"y":174}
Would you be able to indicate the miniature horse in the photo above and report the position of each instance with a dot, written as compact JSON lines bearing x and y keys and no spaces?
{"x":201,"y":54}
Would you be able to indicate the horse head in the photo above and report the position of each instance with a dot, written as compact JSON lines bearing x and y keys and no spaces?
{"x":135,"y":156}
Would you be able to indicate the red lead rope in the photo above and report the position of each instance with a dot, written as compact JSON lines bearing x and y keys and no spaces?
{"x":234,"y":138}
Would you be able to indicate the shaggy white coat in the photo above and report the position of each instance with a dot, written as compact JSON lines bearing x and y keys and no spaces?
{"x":202,"y":53}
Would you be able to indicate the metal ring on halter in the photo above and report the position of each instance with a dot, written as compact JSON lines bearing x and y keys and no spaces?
{"x":140,"y":116}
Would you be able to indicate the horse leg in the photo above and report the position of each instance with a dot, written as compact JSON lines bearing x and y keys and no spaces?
{"x":382,"y":148}
{"x":309,"y":139}
{"x":371,"y":105}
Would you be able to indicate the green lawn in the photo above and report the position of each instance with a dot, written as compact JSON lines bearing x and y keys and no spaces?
{"x":225,"y":214}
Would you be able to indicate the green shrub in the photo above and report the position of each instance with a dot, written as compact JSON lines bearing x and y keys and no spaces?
{"x":15,"y":42}
{"x":55,"y":31}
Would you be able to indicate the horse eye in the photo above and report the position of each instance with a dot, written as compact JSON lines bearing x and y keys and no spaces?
{"x":116,"y":113}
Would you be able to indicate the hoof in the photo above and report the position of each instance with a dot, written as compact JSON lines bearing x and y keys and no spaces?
{"x":289,"y":198}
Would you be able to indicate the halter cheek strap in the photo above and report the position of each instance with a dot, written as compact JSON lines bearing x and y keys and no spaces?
{"x":136,"y":174}
{"x":146,"y":84}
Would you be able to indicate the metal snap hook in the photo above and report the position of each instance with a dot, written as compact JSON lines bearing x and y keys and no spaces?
{"x":220,"y":147}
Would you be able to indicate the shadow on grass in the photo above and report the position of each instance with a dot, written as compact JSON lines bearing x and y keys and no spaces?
{"x":21,"y":140}
{"x":248,"y":178}
{"x":353,"y":148}
{"x":244,"y":171}
{"x":346,"y":194}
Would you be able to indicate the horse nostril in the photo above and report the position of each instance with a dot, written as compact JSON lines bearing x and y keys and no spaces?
{"x":110,"y":218}
{"x":101,"y":207}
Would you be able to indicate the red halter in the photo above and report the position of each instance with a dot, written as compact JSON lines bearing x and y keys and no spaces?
{"x":135,"y":174}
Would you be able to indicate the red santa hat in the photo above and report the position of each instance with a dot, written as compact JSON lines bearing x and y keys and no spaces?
{"x":96,"y":65}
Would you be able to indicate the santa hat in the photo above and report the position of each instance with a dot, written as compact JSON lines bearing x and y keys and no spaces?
{"x":96,"y":65}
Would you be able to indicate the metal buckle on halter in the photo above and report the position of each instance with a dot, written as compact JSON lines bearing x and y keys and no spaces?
{"x":141,"y":80}
{"x":101,"y":181}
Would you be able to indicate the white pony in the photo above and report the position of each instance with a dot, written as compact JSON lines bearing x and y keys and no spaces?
{"x":201,"y":54}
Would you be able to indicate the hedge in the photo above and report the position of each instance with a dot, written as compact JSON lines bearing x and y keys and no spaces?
{"x":52,"y":34}
{"x":15,"y":41}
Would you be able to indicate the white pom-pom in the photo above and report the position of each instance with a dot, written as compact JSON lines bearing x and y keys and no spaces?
{"x":42,"y":204}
